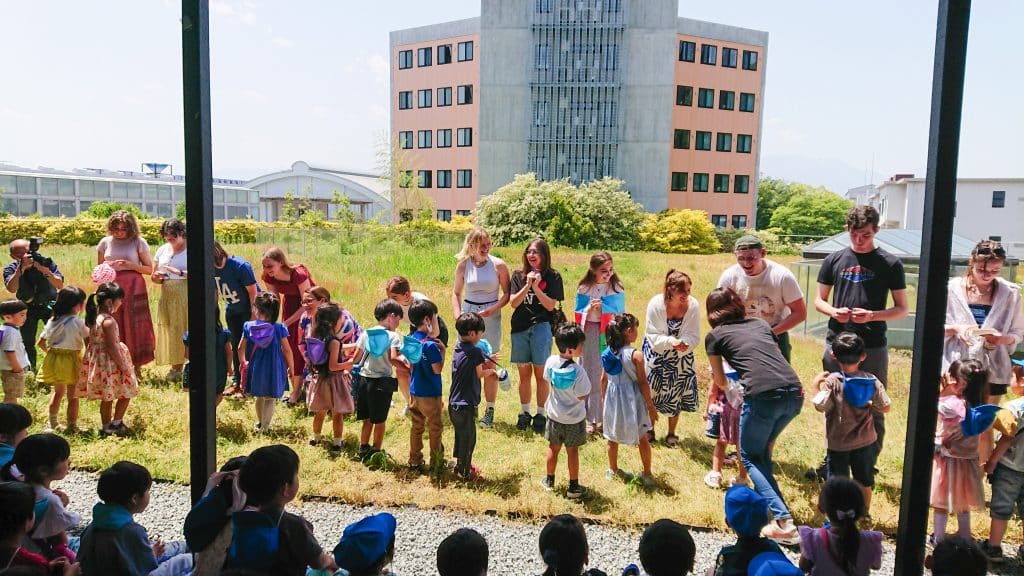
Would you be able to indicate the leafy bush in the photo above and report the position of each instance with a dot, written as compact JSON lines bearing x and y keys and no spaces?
{"x":102,"y":209}
{"x":812,"y":213}
{"x":680,"y":232}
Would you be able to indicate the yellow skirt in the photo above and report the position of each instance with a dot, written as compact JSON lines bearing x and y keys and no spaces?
{"x":61,"y":367}
{"x":172,"y":322}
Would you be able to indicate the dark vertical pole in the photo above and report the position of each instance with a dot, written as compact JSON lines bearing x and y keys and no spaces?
{"x":202,"y":295}
{"x":937,"y":238}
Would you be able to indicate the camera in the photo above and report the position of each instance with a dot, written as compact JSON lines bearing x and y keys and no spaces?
{"x":34,"y":242}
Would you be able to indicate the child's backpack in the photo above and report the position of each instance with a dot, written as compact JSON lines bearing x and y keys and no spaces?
{"x":412,"y":349}
{"x":317,"y":351}
{"x":377,"y":341}
{"x":262,"y":334}
{"x":563,"y":377}
{"x":611,"y":362}
{"x":978,"y":418}
{"x":255,"y":540}
{"x":858,"y":390}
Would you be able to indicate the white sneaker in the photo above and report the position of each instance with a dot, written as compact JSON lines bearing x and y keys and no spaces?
{"x":782,"y":531}
{"x":713,"y":480}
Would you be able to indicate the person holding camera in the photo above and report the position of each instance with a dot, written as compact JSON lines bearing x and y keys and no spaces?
{"x":34,"y":279}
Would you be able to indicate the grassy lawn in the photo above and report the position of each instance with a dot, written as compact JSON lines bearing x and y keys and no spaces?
{"x":512,"y":461}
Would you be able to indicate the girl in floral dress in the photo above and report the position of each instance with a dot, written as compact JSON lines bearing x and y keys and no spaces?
{"x":107,"y":373}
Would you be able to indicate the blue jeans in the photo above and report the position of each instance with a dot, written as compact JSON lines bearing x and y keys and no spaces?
{"x":762,"y":419}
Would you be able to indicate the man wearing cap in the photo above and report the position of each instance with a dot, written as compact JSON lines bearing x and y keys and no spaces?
{"x":769,"y":289}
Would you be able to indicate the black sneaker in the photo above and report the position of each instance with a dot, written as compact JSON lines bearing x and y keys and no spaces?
{"x":993,"y":552}
{"x":364,"y":451}
{"x":336,"y":448}
{"x":819,"y":474}
{"x":524,"y":421}
{"x":575,"y":492}
{"x":539,"y":423}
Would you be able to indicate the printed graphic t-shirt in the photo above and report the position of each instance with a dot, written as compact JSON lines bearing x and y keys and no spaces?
{"x":861,"y":281}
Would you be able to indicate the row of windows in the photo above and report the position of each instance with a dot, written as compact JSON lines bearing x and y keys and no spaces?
{"x":680,"y":182}
{"x":424,"y":138}
{"x":706,"y":98}
{"x":738,"y":220}
{"x":65,"y":188}
{"x":57,"y":208}
{"x":723,"y":141}
{"x":446,"y":215}
{"x":425,"y":97}
{"x":545,"y":6}
{"x":709,"y":55}
{"x":424,"y":56}
{"x":463,"y":179}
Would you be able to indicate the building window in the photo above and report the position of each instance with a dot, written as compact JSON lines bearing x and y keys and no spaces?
{"x":746,"y":102}
{"x":703,"y":141}
{"x":444,"y":178}
{"x":743,"y":143}
{"x":723,"y":142}
{"x":721,"y":182}
{"x":462,"y":212}
{"x":706,"y":98}
{"x":684,"y":95}
{"x":444,"y":54}
{"x":996,"y":238}
{"x":425,"y":181}
{"x":700,"y":182}
{"x":444,"y":96}
{"x":542,"y":57}
{"x":405,"y":140}
{"x":544,"y":6}
{"x":425,"y":137}
{"x":464,"y":137}
{"x":464,"y":179}
{"x":719,"y":220}
{"x":465,"y":94}
{"x":749,"y":60}
{"x":423,"y":57}
{"x":739,"y":221}
{"x":404,"y":100}
{"x":728,"y":57}
{"x":679,"y":181}
{"x":681,"y":139}
{"x":540,"y":113}
{"x":999,"y":198}
{"x":465,"y":51}
{"x":405,"y":59}
{"x":726,"y":99}
{"x":444,"y":138}
{"x":425,"y":97}
{"x":687,"y":51}
{"x":444,"y":215}
{"x":708,"y":54}
{"x":405,"y":179}
{"x":741,"y":185}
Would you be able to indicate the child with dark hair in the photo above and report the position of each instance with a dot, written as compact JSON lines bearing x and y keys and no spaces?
{"x":14,"y":359}
{"x":667,"y":549}
{"x":17,"y":517}
{"x":463,"y":553}
{"x":1005,"y":468}
{"x":746,"y":512}
{"x":266,"y":539}
{"x":956,"y":556}
{"x":208,"y":524}
{"x":563,"y":542}
{"x":63,"y":340}
{"x":107,"y":372}
{"x":270,"y":361}
{"x":566,"y":408}
{"x":14,"y":422}
{"x":840,"y":548}
{"x":848,"y":398}
{"x":113,"y":543}
{"x":223,"y":367}
{"x":367,"y":547}
{"x":331,"y":386}
{"x":469,"y":365}
{"x":629,"y":411}
{"x":378,"y":352}
{"x":425,"y":386}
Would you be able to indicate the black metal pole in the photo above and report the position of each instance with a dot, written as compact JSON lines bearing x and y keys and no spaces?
{"x":202,"y":295}
{"x":940,"y":194}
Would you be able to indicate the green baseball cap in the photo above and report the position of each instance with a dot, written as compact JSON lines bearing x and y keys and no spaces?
{"x":748,"y":242}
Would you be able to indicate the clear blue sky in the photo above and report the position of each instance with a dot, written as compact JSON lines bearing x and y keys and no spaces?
{"x":98,"y":84}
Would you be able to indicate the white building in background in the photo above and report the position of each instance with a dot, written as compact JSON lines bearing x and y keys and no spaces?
{"x":367,"y":193}
{"x":986,"y":208}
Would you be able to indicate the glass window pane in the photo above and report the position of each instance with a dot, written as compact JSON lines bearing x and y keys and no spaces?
{"x":237,"y":212}
{"x":51,"y":208}
{"x":48,"y":186}
{"x":84,"y":204}
{"x":26,"y":207}
{"x":66,"y":187}
{"x":218,"y":212}
{"x":135,"y":191}
{"x":120,"y":190}
{"x":67,"y":208}
{"x":26,"y":186}
{"x":254,"y":197}
{"x":8,"y":185}
{"x":218,"y":195}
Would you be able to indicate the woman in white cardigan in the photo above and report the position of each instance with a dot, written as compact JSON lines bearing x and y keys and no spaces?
{"x":672,"y":331}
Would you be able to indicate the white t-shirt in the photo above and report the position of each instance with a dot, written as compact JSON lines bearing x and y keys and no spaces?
{"x":12,"y":342}
{"x":565,"y":406}
{"x":767,"y":293}
{"x":165,"y":256}
{"x":405,"y":307}
{"x":65,"y":333}
{"x":373,"y":366}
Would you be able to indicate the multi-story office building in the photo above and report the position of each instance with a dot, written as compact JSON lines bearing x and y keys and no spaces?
{"x":582,"y":89}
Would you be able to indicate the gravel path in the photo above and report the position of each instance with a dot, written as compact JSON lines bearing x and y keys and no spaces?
{"x":513,"y":545}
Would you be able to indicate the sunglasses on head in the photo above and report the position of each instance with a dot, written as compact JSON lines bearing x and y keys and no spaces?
{"x":991,"y":250}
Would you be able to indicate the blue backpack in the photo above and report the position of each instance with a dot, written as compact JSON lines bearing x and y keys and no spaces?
{"x":255,"y":540}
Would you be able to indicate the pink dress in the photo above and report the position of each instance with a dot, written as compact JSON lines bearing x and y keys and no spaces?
{"x":133,"y":317}
{"x":331,"y":392}
{"x":956,"y":471}
{"x":100,"y":378}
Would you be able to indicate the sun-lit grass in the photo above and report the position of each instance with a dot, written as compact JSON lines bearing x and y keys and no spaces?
{"x":512,"y":461}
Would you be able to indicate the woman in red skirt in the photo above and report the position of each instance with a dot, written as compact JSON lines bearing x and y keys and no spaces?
{"x":290,"y":282}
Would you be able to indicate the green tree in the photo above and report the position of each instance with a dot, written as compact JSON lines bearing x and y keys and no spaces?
{"x":680,"y":232}
{"x":343,"y":207}
{"x":772,"y":193}
{"x":816,"y":212}
{"x":179,"y":210}
{"x":519,"y":210}
{"x":102,"y":209}
{"x":614,"y":217}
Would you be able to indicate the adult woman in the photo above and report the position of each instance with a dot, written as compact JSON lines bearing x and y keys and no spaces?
{"x":290,"y":282}
{"x":128,"y":253}
{"x":984,"y":321}
{"x":772,"y":395}
{"x":485,"y":281}
{"x":236,"y":284}
{"x":171,"y":263}
{"x":536,"y":291}
{"x":673,"y":329}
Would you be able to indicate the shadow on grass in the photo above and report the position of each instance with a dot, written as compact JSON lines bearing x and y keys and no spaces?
{"x":511,"y":431}
{"x":700,"y":449}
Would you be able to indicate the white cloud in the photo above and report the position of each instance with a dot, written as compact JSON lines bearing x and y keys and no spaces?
{"x":243,"y":11}
{"x":377,"y":64}
{"x":321,"y":111}
{"x":8,"y":113}
{"x":281,"y":41}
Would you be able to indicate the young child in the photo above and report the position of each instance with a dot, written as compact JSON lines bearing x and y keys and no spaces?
{"x":463,"y":553}
{"x":728,"y":434}
{"x":956,"y":556}
{"x":331,"y":387}
{"x":563,"y":544}
{"x":425,"y":387}
{"x":597,"y":284}
{"x":63,"y":340}
{"x":566,"y":408}
{"x":628,"y":408}
{"x":270,"y":362}
{"x":848,"y":399}
{"x":469,"y":365}
{"x":746,"y":512}
{"x":956,"y":474}
{"x":265,"y":538}
{"x":14,"y":360}
{"x":224,"y":367}
{"x":311,"y":301}
{"x":378,"y":351}
{"x":1005,"y":469}
{"x":207,"y":526}
{"x":841,"y":548}
{"x":43,"y":459}
{"x":667,"y":549}
{"x":14,"y":422}
{"x":17,"y":517}
{"x":107,"y":373}
{"x":113,"y":543}
{"x":367,"y":547}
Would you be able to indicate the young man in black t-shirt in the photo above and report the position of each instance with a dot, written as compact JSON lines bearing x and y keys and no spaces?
{"x":862,"y":277}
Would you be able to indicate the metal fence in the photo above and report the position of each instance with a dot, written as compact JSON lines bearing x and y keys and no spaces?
{"x":317,"y":242}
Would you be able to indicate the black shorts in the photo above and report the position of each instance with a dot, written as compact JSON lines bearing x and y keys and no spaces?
{"x":859,"y":463}
{"x":374,"y":398}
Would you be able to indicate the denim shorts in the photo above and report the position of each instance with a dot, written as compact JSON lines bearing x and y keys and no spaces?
{"x":533,"y":345}
{"x":1007,"y":489}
